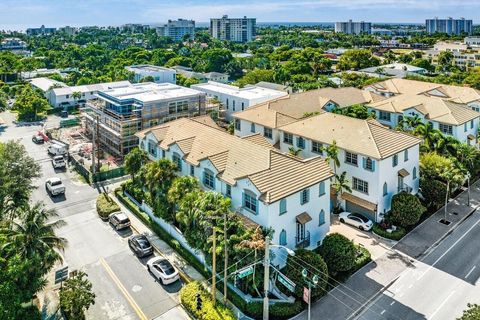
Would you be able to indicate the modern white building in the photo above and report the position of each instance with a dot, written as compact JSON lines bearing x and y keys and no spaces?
{"x":233,"y":29}
{"x":449,"y":26}
{"x":159,"y":74}
{"x":351,"y":27}
{"x":235,"y":99}
{"x":177,"y":29}
{"x":398,"y":70}
{"x":40,"y":31}
{"x":378,"y":162}
{"x":202,"y":77}
{"x":451,"y":109}
{"x":287,"y":194}
{"x":465,"y":55}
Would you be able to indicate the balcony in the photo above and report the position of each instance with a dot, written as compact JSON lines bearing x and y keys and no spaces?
{"x":405,"y":188}
{"x":303,"y":241}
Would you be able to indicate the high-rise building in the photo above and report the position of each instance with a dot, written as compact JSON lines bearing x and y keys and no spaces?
{"x":449,"y":26}
{"x":351,"y":27}
{"x":40,"y":31}
{"x":233,"y":29}
{"x":177,"y":29}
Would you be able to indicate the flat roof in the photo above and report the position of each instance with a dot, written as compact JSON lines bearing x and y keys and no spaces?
{"x":45,"y":83}
{"x":248,"y":92}
{"x":147,"y":68}
{"x":91,"y":87}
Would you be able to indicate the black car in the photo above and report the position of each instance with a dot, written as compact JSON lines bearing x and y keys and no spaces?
{"x":140,"y":245}
{"x":38,"y":139}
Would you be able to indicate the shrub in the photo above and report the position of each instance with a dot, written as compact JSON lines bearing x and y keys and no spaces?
{"x":338,"y":252}
{"x":189,"y":301}
{"x":395,"y":235}
{"x":363,"y":257}
{"x":106,"y":206}
{"x":406,"y":209}
{"x":282,"y":310}
{"x":433,"y":191}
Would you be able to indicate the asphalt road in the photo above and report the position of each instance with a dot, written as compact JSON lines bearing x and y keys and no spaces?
{"x":440,"y":285}
{"x":124,"y":289}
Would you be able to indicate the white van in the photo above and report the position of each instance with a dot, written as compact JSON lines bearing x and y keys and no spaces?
{"x":57,"y":149}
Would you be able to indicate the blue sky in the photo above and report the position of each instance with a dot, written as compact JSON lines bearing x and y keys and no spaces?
{"x":19,"y":14}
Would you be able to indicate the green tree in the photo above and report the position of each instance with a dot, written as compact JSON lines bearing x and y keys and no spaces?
{"x":181,"y":187}
{"x":356,"y":59}
{"x":340,"y":185}
{"x":76,"y":296}
{"x":406,"y":209}
{"x":432,"y":165}
{"x":134,"y":161}
{"x":30,"y":104}
{"x":472,"y":313}
{"x":338,"y":252}
{"x":433,"y":192}
{"x":147,"y":79}
{"x":332,"y":155}
{"x":445,"y":59}
{"x":76,"y":95}
{"x":452,"y":175}
{"x":429,"y":135}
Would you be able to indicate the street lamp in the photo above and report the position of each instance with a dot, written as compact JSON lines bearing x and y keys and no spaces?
{"x":311,"y":283}
{"x":266,"y":273}
{"x":468,"y":189}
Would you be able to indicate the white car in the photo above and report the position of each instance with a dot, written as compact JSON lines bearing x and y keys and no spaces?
{"x":58,"y":162}
{"x":54,"y":186}
{"x":57,"y":149}
{"x":162,"y":270}
{"x":356,"y":220}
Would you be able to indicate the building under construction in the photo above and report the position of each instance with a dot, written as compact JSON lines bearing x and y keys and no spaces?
{"x":117,"y":114}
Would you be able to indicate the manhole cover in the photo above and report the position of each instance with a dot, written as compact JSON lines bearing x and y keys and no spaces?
{"x":136,"y":288}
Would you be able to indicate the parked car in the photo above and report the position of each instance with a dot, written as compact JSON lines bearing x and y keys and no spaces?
{"x":38,"y":138}
{"x":54,"y":186}
{"x":356,"y":220}
{"x":119,"y":220}
{"x":58,"y":162}
{"x":57,"y":149}
{"x":163,"y":270}
{"x":140,"y":245}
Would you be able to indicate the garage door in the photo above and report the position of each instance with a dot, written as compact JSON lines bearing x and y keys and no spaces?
{"x":353,"y":208}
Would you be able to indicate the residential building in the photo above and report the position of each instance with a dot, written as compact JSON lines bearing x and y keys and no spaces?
{"x":13,"y":44}
{"x":43,"y":72}
{"x":135,"y":27}
{"x":378,"y":162}
{"x":351,"y":27}
{"x":275,"y":86}
{"x":449,"y":26}
{"x":451,"y":109}
{"x":472,"y":41}
{"x":202,"y":76}
{"x":235,"y":99}
{"x":464,"y":55}
{"x":68,"y":30}
{"x":233,"y":29}
{"x":40,"y":31}
{"x":123,"y":111}
{"x":397,"y":70}
{"x":276,"y":191}
{"x":177,"y":29}
{"x":159,"y":74}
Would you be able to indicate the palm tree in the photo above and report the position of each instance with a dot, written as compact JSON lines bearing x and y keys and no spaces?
{"x":340,"y":185}
{"x":332,"y":155}
{"x":413,"y":122}
{"x":431,"y":137}
{"x":181,"y":187}
{"x":33,"y":235}
{"x":158,"y":177}
{"x":134,"y":161}
{"x":452,"y":174}
{"x":466,"y":156}
{"x":294,"y":152}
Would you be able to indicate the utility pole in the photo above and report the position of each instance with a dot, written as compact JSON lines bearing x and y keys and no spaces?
{"x":98,"y":142}
{"x":225,"y":263}
{"x":266,"y":278}
{"x":214,"y":266}
{"x":93,"y":147}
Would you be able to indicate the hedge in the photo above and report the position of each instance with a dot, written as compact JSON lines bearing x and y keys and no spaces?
{"x":394,"y":235}
{"x":363,"y":257}
{"x":188,"y":298}
{"x":106,"y":205}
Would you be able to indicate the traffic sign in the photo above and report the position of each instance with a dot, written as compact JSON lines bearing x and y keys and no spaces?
{"x":306,"y":293}
{"x":61,"y":274}
{"x":242,"y":273}
{"x":286,"y":282}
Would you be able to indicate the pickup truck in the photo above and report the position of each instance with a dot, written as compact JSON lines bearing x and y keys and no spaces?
{"x":58,"y":162}
{"x":54,"y":186}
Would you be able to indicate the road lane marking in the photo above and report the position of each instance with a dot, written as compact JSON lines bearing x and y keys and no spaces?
{"x":410,"y":286}
{"x":381,"y":313}
{"x":448,"y":250}
{"x":441,"y":305}
{"x":393,"y":302}
{"x":469,"y":272}
{"x":127,"y":296}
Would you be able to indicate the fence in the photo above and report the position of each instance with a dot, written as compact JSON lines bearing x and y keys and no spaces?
{"x":69,"y":122}
{"x":80,"y":168}
{"x":110,"y":174}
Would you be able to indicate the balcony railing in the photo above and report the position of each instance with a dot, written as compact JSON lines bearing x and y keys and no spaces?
{"x":303,"y":241}
{"x":405,"y":188}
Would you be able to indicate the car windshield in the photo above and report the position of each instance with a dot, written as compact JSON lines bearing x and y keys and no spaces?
{"x":58,"y":158}
{"x":122,"y":218}
{"x":359,"y":217}
{"x":166,"y":267}
{"x":143,"y":243}
{"x":56,"y":183}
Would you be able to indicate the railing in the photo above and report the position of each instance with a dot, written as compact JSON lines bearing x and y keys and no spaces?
{"x":303,"y":241}
{"x":405,"y":188}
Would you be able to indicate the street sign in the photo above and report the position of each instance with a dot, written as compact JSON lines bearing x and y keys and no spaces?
{"x":306,"y":293}
{"x":61,"y":274}
{"x":286,"y":282}
{"x":242,"y":273}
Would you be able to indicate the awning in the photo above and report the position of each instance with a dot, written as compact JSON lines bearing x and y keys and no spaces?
{"x":403,"y":173}
{"x":303,"y":218}
{"x":247,"y":222}
{"x":359,"y":201}
{"x":471,"y":137}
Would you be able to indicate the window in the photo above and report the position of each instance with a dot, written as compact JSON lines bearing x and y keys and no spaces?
{"x":304,"y":196}
{"x":471,"y":124}
{"x":177,"y":160}
{"x":283,"y":238}
{"x":250,"y":201}
{"x":351,"y":158}
{"x":405,"y":155}
{"x":414,"y":173}
{"x":227,"y":103}
{"x":321,"y":189}
{"x":229,"y":191}
{"x":383,"y":115}
{"x":385,"y":189}
{"x":445,"y":128}
{"x":243,"y":106}
{"x":237,"y":125}
{"x":321,"y":218}
{"x":233,"y":105}
{"x":465,"y":127}
{"x":192,"y":170}
{"x":252,"y":127}
{"x":208,"y":179}
{"x":283,"y":206}
{"x":368,"y":164}
{"x":395,"y":160}
{"x":287,"y":138}
{"x":163,"y":153}
{"x":317,"y":147}
{"x":152,"y":148}
{"x":360,"y":185}
{"x":300,"y":142}
{"x":267,"y":133}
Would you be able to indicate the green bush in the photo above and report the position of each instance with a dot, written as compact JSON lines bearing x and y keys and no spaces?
{"x":106,"y":205}
{"x":363,"y":257}
{"x":395,"y":235}
{"x":280,"y":311}
{"x":406,"y":209}
{"x":189,"y":301}
{"x":433,"y":192}
{"x":338,"y":252}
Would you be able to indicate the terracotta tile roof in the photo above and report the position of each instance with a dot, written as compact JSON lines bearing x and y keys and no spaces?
{"x":257,"y":138}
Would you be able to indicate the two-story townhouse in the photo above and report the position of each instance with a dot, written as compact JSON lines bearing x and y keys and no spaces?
{"x":274,"y":190}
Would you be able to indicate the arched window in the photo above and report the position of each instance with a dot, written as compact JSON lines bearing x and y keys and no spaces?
{"x":321,"y":218}
{"x":177,"y":160}
{"x":283,"y":238}
{"x":414,"y":172}
{"x":208,"y":179}
{"x":385,"y":189}
{"x":250,"y":201}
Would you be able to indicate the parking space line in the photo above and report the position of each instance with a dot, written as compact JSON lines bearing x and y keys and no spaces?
{"x":127,"y":296}
{"x":470,"y":272}
{"x":441,"y":305}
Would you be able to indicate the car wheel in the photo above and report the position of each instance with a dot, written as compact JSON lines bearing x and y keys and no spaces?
{"x":148,"y":268}
{"x":361,"y":228}
{"x":342,"y":221}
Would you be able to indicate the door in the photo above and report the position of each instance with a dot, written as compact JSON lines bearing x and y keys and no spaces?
{"x":300,"y":232}
{"x":400,"y":183}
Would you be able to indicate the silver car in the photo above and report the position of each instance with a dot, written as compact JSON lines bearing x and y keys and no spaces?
{"x":119,"y":220}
